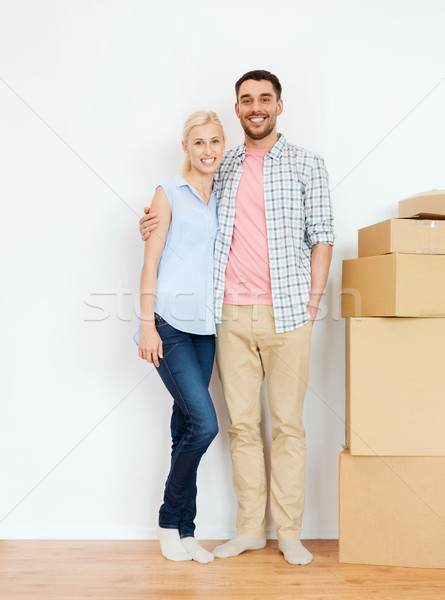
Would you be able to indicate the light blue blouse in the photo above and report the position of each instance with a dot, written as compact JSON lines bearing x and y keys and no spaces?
{"x":184,"y":293}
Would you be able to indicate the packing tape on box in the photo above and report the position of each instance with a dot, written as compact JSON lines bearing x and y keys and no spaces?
{"x":421,"y":223}
{"x":431,"y":225}
{"x":426,"y":250}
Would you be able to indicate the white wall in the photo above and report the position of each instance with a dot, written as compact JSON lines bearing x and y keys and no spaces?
{"x":93,"y":96}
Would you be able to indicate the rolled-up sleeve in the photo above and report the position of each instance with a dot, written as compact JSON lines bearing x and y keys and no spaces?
{"x":319,"y":218}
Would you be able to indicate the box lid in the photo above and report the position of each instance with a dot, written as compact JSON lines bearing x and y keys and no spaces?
{"x":426,"y":205}
{"x":407,"y":236}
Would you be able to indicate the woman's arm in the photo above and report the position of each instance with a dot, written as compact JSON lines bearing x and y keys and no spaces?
{"x":150,"y":344}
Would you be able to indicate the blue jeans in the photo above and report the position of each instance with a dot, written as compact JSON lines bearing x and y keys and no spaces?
{"x":185,"y":370}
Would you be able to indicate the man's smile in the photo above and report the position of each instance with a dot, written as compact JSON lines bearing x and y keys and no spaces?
{"x":257,"y":120}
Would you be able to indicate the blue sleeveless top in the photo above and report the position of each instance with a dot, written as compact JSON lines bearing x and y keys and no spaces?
{"x":184,"y":293}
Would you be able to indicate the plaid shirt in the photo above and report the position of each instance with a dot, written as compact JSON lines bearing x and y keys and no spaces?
{"x":298,"y":215}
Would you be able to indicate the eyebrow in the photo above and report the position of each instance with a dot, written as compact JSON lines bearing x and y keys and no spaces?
{"x":198,"y":139}
{"x":269,"y":95}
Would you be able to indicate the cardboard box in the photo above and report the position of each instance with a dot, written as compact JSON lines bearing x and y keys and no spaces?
{"x":408,"y":236}
{"x":394,"y":285}
{"x":427,"y":205}
{"x":395,"y":387}
{"x":392,"y":511}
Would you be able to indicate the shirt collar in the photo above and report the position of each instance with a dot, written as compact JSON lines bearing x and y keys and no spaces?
{"x":181,"y":182}
{"x":275,"y":152}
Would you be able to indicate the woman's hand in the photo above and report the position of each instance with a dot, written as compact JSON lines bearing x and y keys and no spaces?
{"x":150,"y":345}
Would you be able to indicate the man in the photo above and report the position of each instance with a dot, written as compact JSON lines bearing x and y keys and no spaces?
{"x":272,"y":257}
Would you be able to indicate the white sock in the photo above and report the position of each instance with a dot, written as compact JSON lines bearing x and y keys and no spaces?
{"x":171,"y":545}
{"x":294,"y":552}
{"x":239,"y":544}
{"x":196,"y":551}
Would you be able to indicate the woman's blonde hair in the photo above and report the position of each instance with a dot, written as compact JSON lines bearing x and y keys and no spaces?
{"x":200,"y":117}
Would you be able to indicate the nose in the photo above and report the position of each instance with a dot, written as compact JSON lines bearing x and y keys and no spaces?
{"x":256,"y":106}
{"x":207,"y":149}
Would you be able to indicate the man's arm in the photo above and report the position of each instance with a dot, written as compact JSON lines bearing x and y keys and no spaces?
{"x":320,"y":263}
{"x":148,"y":223}
{"x":319,"y":228}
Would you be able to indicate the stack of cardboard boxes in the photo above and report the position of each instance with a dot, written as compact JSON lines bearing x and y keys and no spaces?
{"x":392,"y":474}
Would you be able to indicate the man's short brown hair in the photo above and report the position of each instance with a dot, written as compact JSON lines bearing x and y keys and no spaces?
{"x":260,"y":75}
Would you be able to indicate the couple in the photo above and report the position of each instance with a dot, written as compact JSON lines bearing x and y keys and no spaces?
{"x":243,"y":239}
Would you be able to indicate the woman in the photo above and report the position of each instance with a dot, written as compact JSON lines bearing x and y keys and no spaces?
{"x":177,"y":323}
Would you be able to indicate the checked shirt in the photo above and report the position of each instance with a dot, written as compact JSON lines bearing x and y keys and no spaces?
{"x":298,"y":215}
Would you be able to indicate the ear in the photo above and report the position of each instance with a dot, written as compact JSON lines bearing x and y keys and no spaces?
{"x":184,"y":147}
{"x":237,"y":109}
{"x":279,"y":106}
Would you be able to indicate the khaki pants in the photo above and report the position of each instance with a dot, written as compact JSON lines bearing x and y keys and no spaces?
{"x":247,"y":348}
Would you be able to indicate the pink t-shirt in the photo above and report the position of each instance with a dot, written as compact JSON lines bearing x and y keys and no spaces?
{"x":247,"y":272}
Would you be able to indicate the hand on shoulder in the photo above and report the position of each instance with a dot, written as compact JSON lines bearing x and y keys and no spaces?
{"x":147,"y":223}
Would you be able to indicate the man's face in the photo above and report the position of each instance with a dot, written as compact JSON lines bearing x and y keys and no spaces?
{"x":257,"y":108}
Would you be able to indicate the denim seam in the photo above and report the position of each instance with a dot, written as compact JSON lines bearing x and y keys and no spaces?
{"x":180,"y":444}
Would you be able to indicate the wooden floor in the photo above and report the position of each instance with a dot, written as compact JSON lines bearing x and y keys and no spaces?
{"x":135,"y":570}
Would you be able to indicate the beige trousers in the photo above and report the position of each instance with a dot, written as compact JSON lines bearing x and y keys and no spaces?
{"x":247,"y":348}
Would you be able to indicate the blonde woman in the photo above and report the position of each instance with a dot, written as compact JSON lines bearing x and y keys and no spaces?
{"x":177,"y":323}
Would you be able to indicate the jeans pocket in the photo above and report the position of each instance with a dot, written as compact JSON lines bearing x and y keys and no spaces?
{"x":159,"y":321}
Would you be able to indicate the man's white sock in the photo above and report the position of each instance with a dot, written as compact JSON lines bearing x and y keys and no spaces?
{"x":239,"y":544}
{"x":171,"y":545}
{"x":196,"y":551}
{"x":294,"y":552}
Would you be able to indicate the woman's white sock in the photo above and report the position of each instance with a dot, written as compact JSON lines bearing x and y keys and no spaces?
{"x":171,"y":545}
{"x":196,"y":551}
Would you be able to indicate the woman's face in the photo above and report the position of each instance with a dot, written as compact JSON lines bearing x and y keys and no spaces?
{"x":205,"y":146}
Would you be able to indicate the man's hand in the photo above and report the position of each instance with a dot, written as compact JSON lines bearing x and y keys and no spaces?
{"x":312,"y":306}
{"x":147,"y":223}
{"x":320,"y":261}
